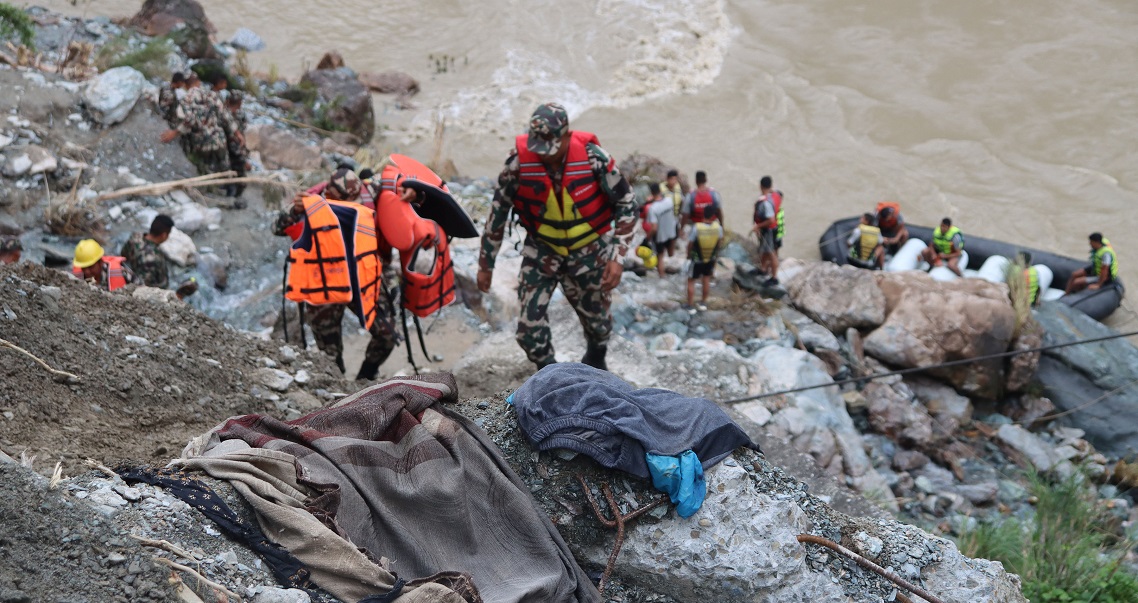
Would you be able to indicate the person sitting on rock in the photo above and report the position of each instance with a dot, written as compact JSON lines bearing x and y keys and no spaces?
{"x":894,"y":233}
{"x":10,"y":250}
{"x":946,"y":247}
{"x":326,"y":319}
{"x":866,"y":248}
{"x":1103,"y":269}
{"x":147,"y":261}
{"x":107,"y":272}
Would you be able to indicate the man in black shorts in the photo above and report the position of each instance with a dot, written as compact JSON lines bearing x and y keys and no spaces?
{"x":704,"y":243}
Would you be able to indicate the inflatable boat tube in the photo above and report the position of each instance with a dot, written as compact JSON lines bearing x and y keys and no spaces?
{"x":1097,"y":304}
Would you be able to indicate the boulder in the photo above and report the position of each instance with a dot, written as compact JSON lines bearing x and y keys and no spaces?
{"x":930,"y":322}
{"x":1103,"y":372}
{"x":837,"y":297}
{"x":1031,"y":449}
{"x":155,"y":295}
{"x":192,"y":217}
{"x":895,"y":413}
{"x":342,"y":101}
{"x":274,"y":379}
{"x":246,"y":39}
{"x":949,"y":410}
{"x":1021,"y":368}
{"x":331,"y":60}
{"x":183,"y":20}
{"x":280,"y":148}
{"x":390,"y":82}
{"x":110,"y":96}
{"x":179,"y":248}
{"x":816,"y":421}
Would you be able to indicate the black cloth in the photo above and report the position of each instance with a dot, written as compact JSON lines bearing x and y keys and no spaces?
{"x":593,"y":412}
{"x":288,"y":571}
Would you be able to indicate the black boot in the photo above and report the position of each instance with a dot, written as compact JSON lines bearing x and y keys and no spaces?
{"x":368,"y":371}
{"x":541,"y":365}
{"x":595,"y":355}
{"x":340,"y":363}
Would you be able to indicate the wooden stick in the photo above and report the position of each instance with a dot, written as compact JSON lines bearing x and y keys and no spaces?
{"x":105,"y":470}
{"x":206,"y":581}
{"x":160,"y":187}
{"x":165,"y":545}
{"x":8,"y":344}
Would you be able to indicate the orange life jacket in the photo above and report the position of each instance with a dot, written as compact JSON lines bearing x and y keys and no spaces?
{"x":425,"y":294}
{"x":889,"y":220}
{"x":330,"y":267}
{"x":701,"y":205}
{"x":535,"y":188}
{"x":112,"y":267}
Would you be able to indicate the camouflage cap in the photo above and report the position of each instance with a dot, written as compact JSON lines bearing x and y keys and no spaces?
{"x":549,"y":123}
{"x":346,"y":182}
{"x":8,"y":245}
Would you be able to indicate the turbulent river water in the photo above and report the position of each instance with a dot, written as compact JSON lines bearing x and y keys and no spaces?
{"x":1018,"y":120}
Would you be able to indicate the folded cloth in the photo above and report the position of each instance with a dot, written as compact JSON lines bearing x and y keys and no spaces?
{"x":419,"y":489}
{"x":593,"y":412}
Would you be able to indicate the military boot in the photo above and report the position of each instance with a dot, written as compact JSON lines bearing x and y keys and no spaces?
{"x":368,"y":371}
{"x":595,"y":355}
{"x":340,"y":363}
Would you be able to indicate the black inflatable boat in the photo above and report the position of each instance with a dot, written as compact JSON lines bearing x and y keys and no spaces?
{"x":1097,"y":304}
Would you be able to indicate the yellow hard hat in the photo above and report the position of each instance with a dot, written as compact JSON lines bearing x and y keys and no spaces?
{"x":87,"y":252}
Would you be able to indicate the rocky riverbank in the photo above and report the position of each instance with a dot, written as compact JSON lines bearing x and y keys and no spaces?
{"x":943,"y":450}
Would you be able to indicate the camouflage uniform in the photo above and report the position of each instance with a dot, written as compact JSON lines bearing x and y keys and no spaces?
{"x":326,"y":320}
{"x":235,"y":122}
{"x":579,"y":273}
{"x":146,"y":261}
{"x":199,"y":120}
{"x":168,"y":104}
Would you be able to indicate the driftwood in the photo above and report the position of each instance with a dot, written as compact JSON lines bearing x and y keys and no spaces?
{"x":160,"y":188}
{"x":8,"y":344}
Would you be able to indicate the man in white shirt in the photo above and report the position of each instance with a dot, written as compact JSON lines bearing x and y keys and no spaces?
{"x":664,"y":226}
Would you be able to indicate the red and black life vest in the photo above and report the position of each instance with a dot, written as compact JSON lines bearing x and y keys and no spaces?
{"x":591,"y":209}
{"x":701,"y":205}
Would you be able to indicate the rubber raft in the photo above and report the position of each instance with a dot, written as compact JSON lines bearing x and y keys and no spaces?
{"x":986,"y":259}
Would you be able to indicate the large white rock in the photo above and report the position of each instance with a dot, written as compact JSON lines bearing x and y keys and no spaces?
{"x":816,"y":421}
{"x":274,"y":379}
{"x":110,"y":96}
{"x":740,"y":545}
{"x":192,"y":217}
{"x":179,"y":248}
{"x":837,"y":297}
{"x":1033,"y":449}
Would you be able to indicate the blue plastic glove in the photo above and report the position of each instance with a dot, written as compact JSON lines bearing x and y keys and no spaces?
{"x":681,"y":478}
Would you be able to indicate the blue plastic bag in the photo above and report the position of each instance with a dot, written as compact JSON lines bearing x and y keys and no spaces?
{"x":681,"y":478}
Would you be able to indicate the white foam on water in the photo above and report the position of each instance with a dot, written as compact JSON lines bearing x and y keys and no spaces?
{"x":638,"y":50}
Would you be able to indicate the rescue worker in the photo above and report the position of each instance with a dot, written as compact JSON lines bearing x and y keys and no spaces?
{"x":674,"y":192}
{"x":894,"y":233}
{"x":234,"y":128}
{"x":661,"y":218}
{"x":702,"y":203}
{"x":579,"y":214}
{"x":367,"y":188}
{"x":769,"y":223}
{"x":1031,"y":278}
{"x":147,"y":262}
{"x":326,"y":320}
{"x":946,"y":247}
{"x":105,"y":271}
{"x":866,"y":249}
{"x":198,"y":122}
{"x":170,"y":95}
{"x":704,"y":244}
{"x":10,"y":250}
{"x":1103,"y":269}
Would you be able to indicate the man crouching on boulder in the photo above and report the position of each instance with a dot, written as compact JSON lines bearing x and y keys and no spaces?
{"x":567,"y":193}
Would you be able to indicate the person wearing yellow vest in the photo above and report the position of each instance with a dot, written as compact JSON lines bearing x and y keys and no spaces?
{"x":105,"y":271}
{"x":325,"y":319}
{"x":704,"y":243}
{"x":946,"y":247}
{"x":673,"y":191}
{"x":1103,"y":269}
{"x":867,"y":249}
{"x":579,"y":214}
{"x":769,"y":228}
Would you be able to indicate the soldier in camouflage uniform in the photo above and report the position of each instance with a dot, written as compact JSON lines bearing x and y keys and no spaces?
{"x":235,"y":122}
{"x":168,"y":98}
{"x":142,"y":254}
{"x":199,"y":122}
{"x":326,"y":320}
{"x":587,"y":274}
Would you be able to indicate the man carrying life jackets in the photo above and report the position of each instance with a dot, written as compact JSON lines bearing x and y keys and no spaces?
{"x":579,"y":214}
{"x":1103,"y":269}
{"x":946,"y":247}
{"x":769,"y":226}
{"x":894,"y":233}
{"x":866,"y":250}
{"x":105,"y":271}
{"x":326,"y":319}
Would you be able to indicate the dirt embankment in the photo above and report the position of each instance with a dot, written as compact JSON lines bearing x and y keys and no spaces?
{"x":151,"y":375}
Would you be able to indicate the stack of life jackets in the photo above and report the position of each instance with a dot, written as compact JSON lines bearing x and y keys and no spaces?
{"x":335,"y":259}
{"x":112,"y":267}
{"x":580,"y":216}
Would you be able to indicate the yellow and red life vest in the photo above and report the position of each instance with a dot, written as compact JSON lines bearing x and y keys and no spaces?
{"x":336,"y":258}
{"x":112,"y":268}
{"x":580,"y":216}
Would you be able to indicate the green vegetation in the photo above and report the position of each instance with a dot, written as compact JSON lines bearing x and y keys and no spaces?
{"x":14,"y":22}
{"x":151,"y":59}
{"x":1062,"y":554}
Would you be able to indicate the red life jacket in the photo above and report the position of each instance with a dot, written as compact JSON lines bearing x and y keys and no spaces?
{"x":578,"y":181}
{"x":701,"y":205}
{"x":427,"y":293}
{"x":776,"y":200}
{"x":888,"y":219}
{"x":112,"y":267}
